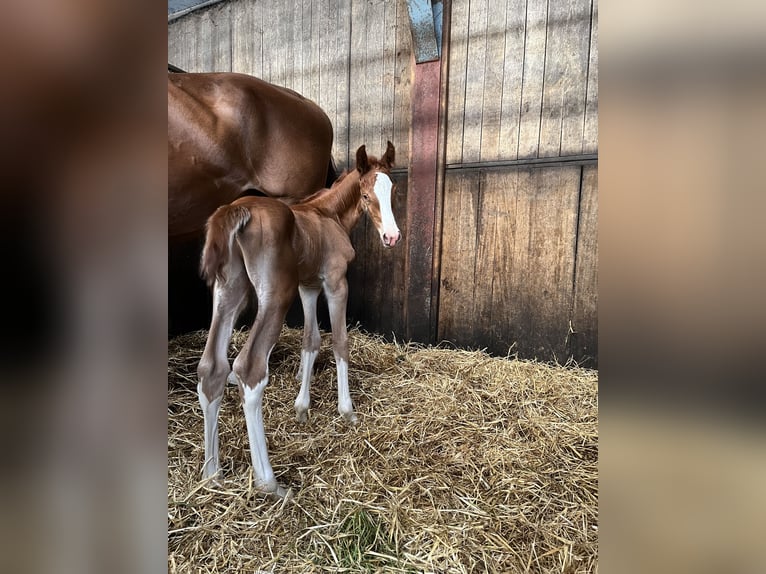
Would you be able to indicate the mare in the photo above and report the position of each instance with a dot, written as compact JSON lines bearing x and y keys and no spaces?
{"x":230,"y":134}
{"x":280,"y":250}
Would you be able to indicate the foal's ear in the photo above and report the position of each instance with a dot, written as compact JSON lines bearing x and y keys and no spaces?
{"x":362,"y":163}
{"x":389,"y":156}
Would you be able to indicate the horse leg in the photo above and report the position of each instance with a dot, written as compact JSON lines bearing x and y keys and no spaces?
{"x":337,"y":297}
{"x":309,"y":351}
{"x":228,"y":300}
{"x":275,"y":283}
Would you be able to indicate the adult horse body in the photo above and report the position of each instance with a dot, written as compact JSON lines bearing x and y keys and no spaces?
{"x":261,"y":243}
{"x":230,"y":134}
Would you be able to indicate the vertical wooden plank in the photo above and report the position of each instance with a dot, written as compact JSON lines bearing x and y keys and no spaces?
{"x":458,"y":64}
{"x":358,"y":78}
{"x":532,"y":89}
{"x":296,"y":37}
{"x":388,"y":55}
{"x":513,"y":67}
{"x":181,"y":43}
{"x":421,"y":198}
{"x":286,"y":27}
{"x":402,"y":84}
{"x":487,"y":237}
{"x":590,"y":131}
{"x":213,"y":48}
{"x":566,"y":62}
{"x":492,"y":99}
{"x":474,"y":82}
{"x":375,"y":17}
{"x":247,"y":40}
{"x":583,"y":343}
{"x":501,"y":197}
{"x":543,"y":260}
{"x":458,"y":277}
{"x":311,"y":81}
{"x":342,"y":88}
{"x":202,"y":52}
{"x":575,"y":91}
{"x":554,"y":79}
{"x":270,"y":32}
{"x":221,"y":20}
{"x":495,"y":236}
{"x":322,"y":11}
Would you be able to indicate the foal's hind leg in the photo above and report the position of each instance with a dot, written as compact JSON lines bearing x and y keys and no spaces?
{"x":336,"y":289}
{"x":309,"y":351}
{"x":275,"y":284}
{"x":229,"y":298}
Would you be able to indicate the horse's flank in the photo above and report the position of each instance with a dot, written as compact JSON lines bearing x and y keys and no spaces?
{"x":231,"y":134}
{"x":315,"y":227}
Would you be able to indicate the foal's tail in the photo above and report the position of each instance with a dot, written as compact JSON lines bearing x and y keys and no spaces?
{"x":221,"y":228}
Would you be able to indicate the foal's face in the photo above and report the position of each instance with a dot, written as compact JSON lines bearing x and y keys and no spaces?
{"x":377,"y":191}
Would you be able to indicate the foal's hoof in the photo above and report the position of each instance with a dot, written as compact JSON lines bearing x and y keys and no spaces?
{"x":350,"y":418}
{"x":301,"y":416}
{"x":280,"y":493}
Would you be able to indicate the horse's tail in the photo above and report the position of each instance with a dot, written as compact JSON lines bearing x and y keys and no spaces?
{"x":332,"y":174}
{"x":220,"y":231}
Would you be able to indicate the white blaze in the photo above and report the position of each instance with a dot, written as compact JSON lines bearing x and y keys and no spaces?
{"x":382,"y":191}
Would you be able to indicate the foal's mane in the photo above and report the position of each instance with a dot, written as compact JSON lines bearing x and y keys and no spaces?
{"x":333,"y":201}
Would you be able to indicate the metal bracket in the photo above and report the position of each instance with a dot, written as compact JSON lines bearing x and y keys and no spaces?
{"x":426,"y":27}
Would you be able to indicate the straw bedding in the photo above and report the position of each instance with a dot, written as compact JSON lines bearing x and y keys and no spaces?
{"x":461,"y":463}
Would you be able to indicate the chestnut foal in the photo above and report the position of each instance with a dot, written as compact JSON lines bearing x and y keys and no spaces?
{"x":281,"y":250}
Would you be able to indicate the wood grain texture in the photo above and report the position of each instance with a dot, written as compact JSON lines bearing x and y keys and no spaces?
{"x":458,"y":62}
{"x":533,"y":75}
{"x":421,"y":199}
{"x":492,"y":96}
{"x":475,"y":80}
{"x":565,"y":80}
{"x":590,"y":131}
{"x":507,"y":280}
{"x":513,"y":69}
{"x":458,"y":271}
{"x":583,"y":340}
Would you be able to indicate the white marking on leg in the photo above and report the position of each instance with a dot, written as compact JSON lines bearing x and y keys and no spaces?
{"x":253,"y":405}
{"x":303,"y":399}
{"x":345,"y":406}
{"x":210,"y":416}
{"x":382,"y":190}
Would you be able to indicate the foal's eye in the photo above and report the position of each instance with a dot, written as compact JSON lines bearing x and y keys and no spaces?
{"x":366,"y":196}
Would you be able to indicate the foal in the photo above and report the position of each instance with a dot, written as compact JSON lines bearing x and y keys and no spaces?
{"x":281,"y":250}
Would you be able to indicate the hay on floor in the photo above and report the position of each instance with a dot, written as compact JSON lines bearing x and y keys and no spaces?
{"x":461,"y":463}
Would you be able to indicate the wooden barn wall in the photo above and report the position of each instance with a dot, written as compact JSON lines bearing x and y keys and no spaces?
{"x":518,"y":222}
{"x":352,"y":57}
{"x":519,"y":260}
{"x":518,"y":268}
{"x":522,"y":80}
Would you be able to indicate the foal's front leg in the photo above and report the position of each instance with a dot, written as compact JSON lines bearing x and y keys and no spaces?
{"x":337,"y":298}
{"x":309,"y":350}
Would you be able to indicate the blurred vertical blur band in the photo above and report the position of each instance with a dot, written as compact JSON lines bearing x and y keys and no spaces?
{"x":82,"y":242}
{"x":681,"y":285}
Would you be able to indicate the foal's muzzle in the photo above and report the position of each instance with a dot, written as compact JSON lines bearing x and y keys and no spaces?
{"x":389,"y":240}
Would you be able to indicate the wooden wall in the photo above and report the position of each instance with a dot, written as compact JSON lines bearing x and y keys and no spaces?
{"x":519,"y":243}
{"x":517,"y":220}
{"x":351,"y":57}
